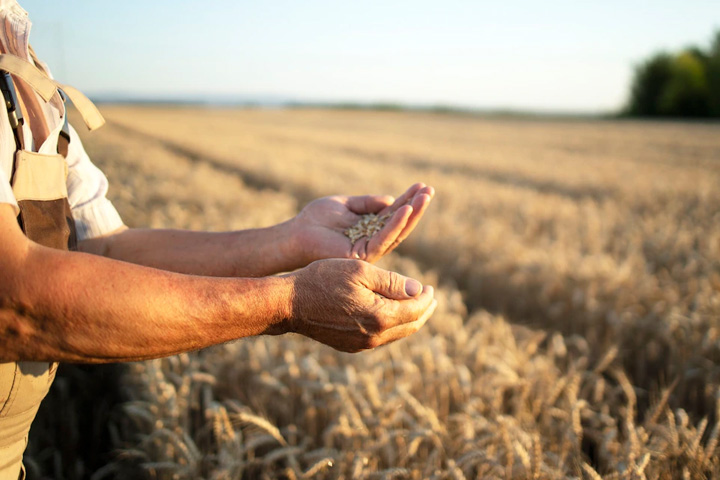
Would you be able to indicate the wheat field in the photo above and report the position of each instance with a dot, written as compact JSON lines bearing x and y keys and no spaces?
{"x":577,"y":265}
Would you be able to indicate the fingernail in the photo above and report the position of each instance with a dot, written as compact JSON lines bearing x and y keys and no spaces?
{"x":412,"y":287}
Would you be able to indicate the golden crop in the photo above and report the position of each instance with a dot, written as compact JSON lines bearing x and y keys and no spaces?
{"x":578,"y":326}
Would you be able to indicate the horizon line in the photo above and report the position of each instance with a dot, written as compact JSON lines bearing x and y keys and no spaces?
{"x":280,"y":101}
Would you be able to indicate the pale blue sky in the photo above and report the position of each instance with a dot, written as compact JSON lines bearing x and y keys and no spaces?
{"x":538,"y":55}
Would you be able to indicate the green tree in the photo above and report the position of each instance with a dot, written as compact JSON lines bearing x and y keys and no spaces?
{"x":651,"y":80}
{"x":687,"y":93}
{"x":685,"y":84}
{"x":713,"y":76}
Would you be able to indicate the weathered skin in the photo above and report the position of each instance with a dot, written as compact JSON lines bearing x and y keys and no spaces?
{"x":140,"y":294}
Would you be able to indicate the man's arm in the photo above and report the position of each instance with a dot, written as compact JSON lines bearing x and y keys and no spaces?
{"x":247,"y":253}
{"x":316,"y":233}
{"x":71,"y":306}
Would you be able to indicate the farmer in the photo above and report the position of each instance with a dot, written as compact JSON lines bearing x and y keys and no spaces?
{"x":77,"y":285}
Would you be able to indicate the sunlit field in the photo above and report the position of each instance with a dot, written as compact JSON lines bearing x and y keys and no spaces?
{"x":578,"y":274}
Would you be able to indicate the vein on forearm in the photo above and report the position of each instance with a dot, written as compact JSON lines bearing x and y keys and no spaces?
{"x":84,"y":308}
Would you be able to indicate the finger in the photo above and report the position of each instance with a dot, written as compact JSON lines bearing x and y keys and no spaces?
{"x":348,"y":340}
{"x":419,"y":205}
{"x":400,"y":312}
{"x":406,"y":329}
{"x":403,"y":199}
{"x":427,"y":190}
{"x":368,"y":203}
{"x":360,"y":249}
{"x":392,"y":285}
{"x":383,"y":240}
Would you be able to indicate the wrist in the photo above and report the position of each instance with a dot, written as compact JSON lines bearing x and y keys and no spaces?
{"x":263,"y":251}
{"x":297,"y":246}
{"x":277,"y":296}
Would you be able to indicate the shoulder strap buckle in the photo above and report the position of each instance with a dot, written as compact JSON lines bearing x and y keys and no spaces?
{"x":11,"y":103}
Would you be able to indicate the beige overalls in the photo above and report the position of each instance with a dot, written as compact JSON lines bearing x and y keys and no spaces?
{"x":40,"y":188}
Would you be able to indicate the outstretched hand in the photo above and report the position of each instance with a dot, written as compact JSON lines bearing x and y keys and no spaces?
{"x":353,"y":306}
{"x":322,"y":223}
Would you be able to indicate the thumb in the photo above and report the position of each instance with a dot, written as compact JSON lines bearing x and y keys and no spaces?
{"x":395,"y":286}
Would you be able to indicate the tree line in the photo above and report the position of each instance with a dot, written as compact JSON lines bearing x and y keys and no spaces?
{"x":682,"y":84}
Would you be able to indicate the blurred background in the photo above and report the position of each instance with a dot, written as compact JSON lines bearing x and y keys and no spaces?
{"x":548,"y":57}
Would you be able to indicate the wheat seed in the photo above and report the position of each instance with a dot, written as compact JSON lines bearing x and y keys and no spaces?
{"x":368,"y":225}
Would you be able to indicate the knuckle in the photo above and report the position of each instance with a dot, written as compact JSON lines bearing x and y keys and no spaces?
{"x":394,"y":282}
{"x":370,"y":324}
{"x":371,"y":341}
{"x":364,"y":342}
{"x":380,"y":323}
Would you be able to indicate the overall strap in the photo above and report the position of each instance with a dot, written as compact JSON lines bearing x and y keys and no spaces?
{"x":88,"y":111}
{"x":42,"y":84}
{"x":90,"y":114}
{"x":46,"y":88}
{"x":14,"y":115}
{"x":17,"y":121}
{"x":63,"y":142}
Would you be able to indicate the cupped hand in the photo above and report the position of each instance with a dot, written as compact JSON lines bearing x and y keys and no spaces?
{"x":351,"y":305}
{"x":322,"y":223}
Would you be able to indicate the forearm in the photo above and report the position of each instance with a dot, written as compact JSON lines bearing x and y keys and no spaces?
{"x":246,"y":253}
{"x":61,"y":306}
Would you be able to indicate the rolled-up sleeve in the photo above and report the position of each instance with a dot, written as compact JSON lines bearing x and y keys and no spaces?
{"x":94,"y":214}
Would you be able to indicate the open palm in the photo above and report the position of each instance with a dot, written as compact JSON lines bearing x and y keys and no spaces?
{"x":322,"y":223}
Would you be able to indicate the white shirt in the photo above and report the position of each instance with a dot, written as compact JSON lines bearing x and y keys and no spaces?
{"x":87,"y":186}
